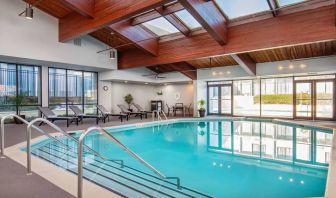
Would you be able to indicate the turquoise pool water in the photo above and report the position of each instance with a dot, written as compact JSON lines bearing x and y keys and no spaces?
{"x":224,"y":158}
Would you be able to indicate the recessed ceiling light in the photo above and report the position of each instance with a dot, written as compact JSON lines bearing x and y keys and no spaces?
{"x":290,"y":66}
{"x":302,"y":65}
{"x":146,"y":83}
{"x":126,"y":81}
{"x":280,"y":67}
{"x":228,"y":72}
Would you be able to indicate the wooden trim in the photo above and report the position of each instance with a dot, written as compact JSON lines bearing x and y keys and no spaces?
{"x":142,"y":39}
{"x":84,"y":8}
{"x":208,"y":15}
{"x":246,"y":62}
{"x":249,"y":37}
{"x":75,"y":25}
{"x":175,"y":21}
{"x":156,"y":13}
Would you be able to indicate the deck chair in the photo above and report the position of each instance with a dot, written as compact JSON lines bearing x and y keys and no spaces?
{"x":141,"y":110}
{"x":51,"y":116}
{"x":106,"y":114}
{"x":124,"y":109}
{"x":80,"y":114}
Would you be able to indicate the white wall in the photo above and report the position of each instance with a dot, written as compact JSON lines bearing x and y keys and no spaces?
{"x":185,"y":91}
{"x":143,"y":94}
{"x":37,"y":39}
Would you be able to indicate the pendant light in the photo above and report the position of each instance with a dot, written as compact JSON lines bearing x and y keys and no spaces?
{"x":112,"y":54}
{"x":29,"y":12}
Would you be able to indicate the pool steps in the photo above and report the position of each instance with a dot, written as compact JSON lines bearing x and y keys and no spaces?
{"x":127,"y":181}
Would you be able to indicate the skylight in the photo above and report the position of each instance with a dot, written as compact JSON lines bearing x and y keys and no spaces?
{"x":238,"y":8}
{"x":160,"y":27}
{"x":288,"y":2}
{"x":187,"y":19}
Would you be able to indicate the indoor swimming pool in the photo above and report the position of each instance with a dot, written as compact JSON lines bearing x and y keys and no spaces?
{"x":213,"y":158}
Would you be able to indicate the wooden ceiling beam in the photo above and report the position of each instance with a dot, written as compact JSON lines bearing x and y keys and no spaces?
{"x":208,"y":15}
{"x":185,"y":68}
{"x":176,"y":22}
{"x":246,"y":62}
{"x":156,"y":13}
{"x":247,"y":37}
{"x":106,"y":13}
{"x":141,"y":38}
{"x":84,"y":8}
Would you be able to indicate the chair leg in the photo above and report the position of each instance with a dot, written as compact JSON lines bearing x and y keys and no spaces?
{"x":67,"y":122}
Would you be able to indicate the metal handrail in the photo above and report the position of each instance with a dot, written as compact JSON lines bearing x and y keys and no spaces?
{"x":31,"y":124}
{"x":158,"y":115}
{"x":124,"y":147}
{"x":2,"y":133}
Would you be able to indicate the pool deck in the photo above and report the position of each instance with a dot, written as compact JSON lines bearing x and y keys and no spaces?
{"x":53,"y":182}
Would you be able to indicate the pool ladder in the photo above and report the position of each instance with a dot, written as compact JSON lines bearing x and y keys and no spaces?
{"x":81,"y":145}
{"x":158,"y":113}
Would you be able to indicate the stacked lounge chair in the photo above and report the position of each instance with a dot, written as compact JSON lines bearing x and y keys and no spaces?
{"x":81,"y":116}
{"x":51,"y":116}
{"x":106,"y":114}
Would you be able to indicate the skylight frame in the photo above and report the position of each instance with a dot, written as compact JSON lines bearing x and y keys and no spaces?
{"x":221,"y":5}
{"x":294,"y":2}
{"x":187,"y":19}
{"x":154,"y":25}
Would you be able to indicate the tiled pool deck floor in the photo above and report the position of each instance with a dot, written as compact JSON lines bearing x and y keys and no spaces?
{"x":15,"y":183}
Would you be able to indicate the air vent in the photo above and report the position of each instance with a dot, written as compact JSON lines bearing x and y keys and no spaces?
{"x":78,"y":41}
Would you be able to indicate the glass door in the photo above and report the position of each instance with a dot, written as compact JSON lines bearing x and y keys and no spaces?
{"x":314,"y":99}
{"x":213,"y":96}
{"x":324,"y":94}
{"x":303,"y":100}
{"x":226,"y":99}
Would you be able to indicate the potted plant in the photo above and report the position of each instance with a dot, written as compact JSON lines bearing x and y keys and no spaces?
{"x":19,"y":99}
{"x":129,"y":100}
{"x":201,"y":108}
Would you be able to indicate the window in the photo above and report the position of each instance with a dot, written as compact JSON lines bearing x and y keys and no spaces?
{"x":70,"y":87}
{"x":160,"y":27}
{"x":20,"y":81}
{"x":238,"y":8}
{"x":276,"y":97}
{"x":288,"y":2}
{"x":187,"y":19}
{"x":245,"y":96}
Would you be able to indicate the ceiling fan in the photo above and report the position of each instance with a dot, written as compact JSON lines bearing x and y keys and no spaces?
{"x":155,"y":76}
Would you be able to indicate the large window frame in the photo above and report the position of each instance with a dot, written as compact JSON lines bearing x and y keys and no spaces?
{"x":68,"y":103}
{"x":293,"y":116}
{"x":17,"y":88}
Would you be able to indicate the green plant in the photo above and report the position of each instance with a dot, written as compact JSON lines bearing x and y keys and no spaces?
{"x":128,"y":99}
{"x":159,"y":93}
{"x":19,"y":101}
{"x":201,"y":104}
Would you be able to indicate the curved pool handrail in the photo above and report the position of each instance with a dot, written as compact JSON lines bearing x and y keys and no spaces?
{"x":2,"y":133}
{"x":124,"y":147}
{"x":31,"y":124}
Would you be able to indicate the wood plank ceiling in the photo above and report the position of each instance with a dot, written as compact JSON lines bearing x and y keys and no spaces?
{"x":138,"y":49}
